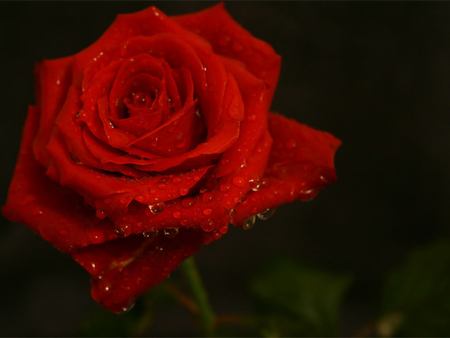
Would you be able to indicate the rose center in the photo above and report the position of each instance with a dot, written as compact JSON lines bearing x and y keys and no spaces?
{"x":141,"y":100}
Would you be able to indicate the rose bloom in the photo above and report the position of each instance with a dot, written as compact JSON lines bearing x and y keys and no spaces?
{"x":147,"y":144}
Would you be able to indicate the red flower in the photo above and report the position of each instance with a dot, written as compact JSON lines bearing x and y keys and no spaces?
{"x":146,"y":145}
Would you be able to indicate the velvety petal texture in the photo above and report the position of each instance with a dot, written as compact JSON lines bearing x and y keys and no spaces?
{"x":146,"y":145}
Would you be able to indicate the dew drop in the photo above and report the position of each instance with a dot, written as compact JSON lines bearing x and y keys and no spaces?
{"x":127,"y":309}
{"x":184,"y":221}
{"x":162,"y":186}
{"x":120,"y":231}
{"x":266,"y":214}
{"x":223,"y":229}
{"x":238,"y":181}
{"x":290,"y":144}
{"x":251,"y":117}
{"x":150,"y":234}
{"x":187,"y":202}
{"x":183,"y":191}
{"x":176,"y":214}
{"x":225,"y":187}
{"x":100,"y":213}
{"x":232,"y":215}
{"x":265,"y":183}
{"x":255,"y":184}
{"x":207,"y":197}
{"x":207,"y":225}
{"x":171,"y":232}
{"x":207,"y":211}
{"x":156,"y":208}
{"x":37,"y":212}
{"x":139,"y":224}
{"x":95,"y":237}
{"x":176,"y":180}
{"x":248,"y":224}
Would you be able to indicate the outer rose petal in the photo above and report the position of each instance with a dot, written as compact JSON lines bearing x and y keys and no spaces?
{"x":125,"y":268}
{"x":300,"y":164}
{"x":229,"y":39}
{"x":56,"y":213}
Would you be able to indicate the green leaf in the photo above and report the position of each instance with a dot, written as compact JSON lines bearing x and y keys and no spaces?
{"x":301,"y":300}
{"x":418,"y":294}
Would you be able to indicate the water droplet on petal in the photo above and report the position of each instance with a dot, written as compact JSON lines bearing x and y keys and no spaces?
{"x":248,"y":224}
{"x":207,"y":225}
{"x":176,"y":214}
{"x":176,"y":180}
{"x":156,"y":208}
{"x":290,"y":144}
{"x":255,"y":184}
{"x":207,"y":197}
{"x":187,"y":202}
{"x":238,"y":181}
{"x":171,"y":232}
{"x":120,"y":231}
{"x":232,"y":215}
{"x":266,"y":214}
{"x":150,"y":234}
{"x":127,"y":309}
{"x":223,"y":229}
{"x":207,"y":211}
{"x":225,"y":187}
{"x":251,"y":117}
{"x":265,"y":182}
{"x":183,"y":191}
{"x":100,"y":213}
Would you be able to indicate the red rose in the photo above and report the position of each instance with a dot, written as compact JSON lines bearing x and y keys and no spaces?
{"x":146,"y":145}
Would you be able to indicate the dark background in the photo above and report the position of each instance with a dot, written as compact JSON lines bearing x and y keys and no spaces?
{"x":376,"y":75}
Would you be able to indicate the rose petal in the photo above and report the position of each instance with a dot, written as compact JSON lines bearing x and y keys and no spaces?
{"x":56,"y":213}
{"x":125,"y":268}
{"x":301,"y":163}
{"x":210,"y":209}
{"x":53,"y":79}
{"x":229,"y":39}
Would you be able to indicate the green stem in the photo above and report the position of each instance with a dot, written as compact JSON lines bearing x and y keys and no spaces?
{"x":206,"y":314}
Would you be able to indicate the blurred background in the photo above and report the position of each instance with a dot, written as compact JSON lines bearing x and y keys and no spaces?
{"x":376,"y":75}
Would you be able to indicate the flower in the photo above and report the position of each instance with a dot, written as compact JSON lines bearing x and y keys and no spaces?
{"x":147,"y":144}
